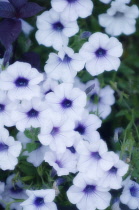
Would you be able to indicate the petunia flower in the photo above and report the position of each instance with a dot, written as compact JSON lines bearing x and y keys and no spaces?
{"x":39,"y":199}
{"x":101,"y":53}
{"x":87,"y":194}
{"x":14,"y":189}
{"x":130,"y":194}
{"x":72,"y":9}
{"x":53,"y":30}
{"x":94,"y":158}
{"x":9,"y":150}
{"x":33,"y":113}
{"x":21,"y":81}
{"x":63,"y":163}
{"x":65,"y":65}
{"x":119,"y":18}
{"x":57,"y":132}
{"x":113,"y":177}
{"x":67,"y":100}
{"x":87,"y":126}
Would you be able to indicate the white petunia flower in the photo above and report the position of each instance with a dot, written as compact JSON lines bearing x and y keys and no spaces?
{"x":87,"y":126}
{"x":65,"y":65}
{"x":33,"y":113}
{"x":6,"y":107}
{"x":113,"y":177}
{"x":67,"y":101}
{"x":119,"y":19}
{"x":100,"y":99}
{"x":14,"y":189}
{"x":130,"y":194}
{"x":72,"y":9}
{"x":48,"y":86}
{"x":57,"y":132}
{"x":86,"y":194}
{"x":21,"y":81}
{"x":101,"y":53}
{"x":40,"y":200}
{"x":9,"y":150}
{"x":63,"y":163}
{"x":53,"y":30}
{"x":94,"y":158}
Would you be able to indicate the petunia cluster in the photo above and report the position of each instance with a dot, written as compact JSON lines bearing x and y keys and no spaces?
{"x":68,"y":139}
{"x":66,"y":112}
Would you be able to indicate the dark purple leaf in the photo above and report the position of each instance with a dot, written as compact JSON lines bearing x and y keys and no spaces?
{"x":6,"y":10}
{"x":18,"y":3}
{"x":32,"y":58}
{"x":30,"y":9}
{"x":9,"y":31}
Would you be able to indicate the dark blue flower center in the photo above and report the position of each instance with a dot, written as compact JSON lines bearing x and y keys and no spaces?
{"x":100,"y":52}
{"x":89,"y":189}
{"x":67,"y":59}
{"x":134,"y":191}
{"x":2,"y":107}
{"x":33,"y":113}
{"x":95,"y":155}
{"x":80,"y":128}
{"x":58,"y":26}
{"x":119,"y":14}
{"x":39,"y":201}
{"x":21,"y":82}
{"x":59,"y":163}
{"x":72,"y":149}
{"x":55,"y":131}
{"x":66,"y":103}
{"x":16,"y":189}
{"x":3,"y":147}
{"x":113,"y":170}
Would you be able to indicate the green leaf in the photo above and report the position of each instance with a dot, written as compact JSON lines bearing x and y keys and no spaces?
{"x":32,"y":146}
{"x":32,"y":133}
{"x":27,"y":178}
